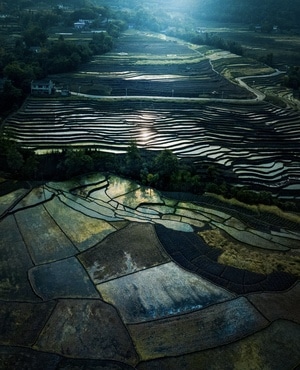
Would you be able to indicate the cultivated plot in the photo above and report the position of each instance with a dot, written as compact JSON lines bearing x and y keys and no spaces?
{"x":138,"y":290}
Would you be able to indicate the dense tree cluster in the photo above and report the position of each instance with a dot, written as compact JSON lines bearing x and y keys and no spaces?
{"x":29,"y":4}
{"x":34,"y":55}
{"x":267,"y":13}
{"x":284,"y":14}
{"x":162,"y":171}
{"x":292,"y":79}
{"x":17,"y":162}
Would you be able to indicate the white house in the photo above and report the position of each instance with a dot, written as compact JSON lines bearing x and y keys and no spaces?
{"x":42,"y":87}
{"x":79,"y":25}
{"x":83,"y":23}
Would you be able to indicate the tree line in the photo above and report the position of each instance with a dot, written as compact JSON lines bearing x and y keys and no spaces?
{"x":284,"y":14}
{"x":161,"y":170}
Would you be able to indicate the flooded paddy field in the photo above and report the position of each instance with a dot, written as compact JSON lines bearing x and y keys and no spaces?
{"x":259,"y":143}
{"x":143,"y":280}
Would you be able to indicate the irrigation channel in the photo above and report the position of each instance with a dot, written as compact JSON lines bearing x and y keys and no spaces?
{"x":258,"y":142}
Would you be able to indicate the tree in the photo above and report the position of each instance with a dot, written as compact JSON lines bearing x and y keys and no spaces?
{"x":101,"y":43}
{"x":84,"y":13}
{"x":21,"y":73}
{"x":265,"y":197}
{"x":14,"y":159}
{"x":34,"y":36}
{"x":133,"y":160}
{"x":77,"y":162}
{"x":114,"y":28}
{"x":152,"y":178}
{"x":292,"y":80}
{"x":165,"y":164}
{"x":148,"y":178}
{"x":30,"y":167}
{"x":248,"y":196}
{"x":211,"y":187}
{"x":10,"y":97}
{"x":268,"y":59}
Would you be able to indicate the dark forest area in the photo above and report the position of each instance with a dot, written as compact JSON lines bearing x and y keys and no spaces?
{"x":283,"y":13}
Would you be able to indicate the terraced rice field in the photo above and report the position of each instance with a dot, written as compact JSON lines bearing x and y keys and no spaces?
{"x":100,"y":272}
{"x":258,"y":142}
{"x":145,"y":64}
{"x":272,"y":86}
{"x":144,"y":281}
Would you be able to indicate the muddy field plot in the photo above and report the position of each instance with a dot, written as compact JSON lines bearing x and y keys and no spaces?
{"x":145,"y":289}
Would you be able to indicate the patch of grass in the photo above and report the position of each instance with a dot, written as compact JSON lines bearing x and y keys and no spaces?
{"x":283,"y":46}
{"x":158,"y":60}
{"x":241,"y":67}
{"x":276,"y":100}
{"x":245,"y":257}
{"x":259,"y":208}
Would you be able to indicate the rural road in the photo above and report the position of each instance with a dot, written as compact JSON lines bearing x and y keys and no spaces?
{"x":259,"y":95}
